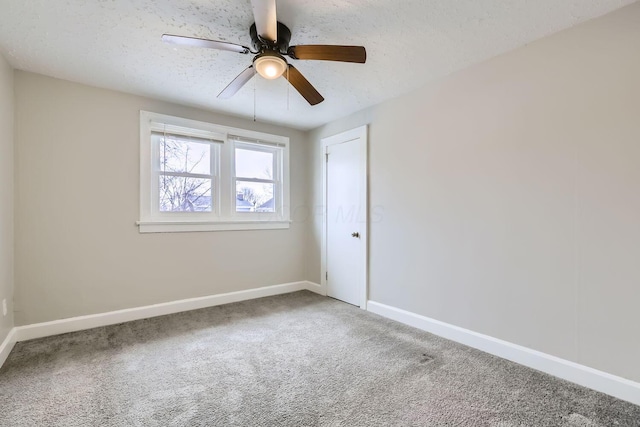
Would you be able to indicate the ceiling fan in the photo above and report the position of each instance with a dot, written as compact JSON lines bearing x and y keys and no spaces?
{"x":270,"y":41}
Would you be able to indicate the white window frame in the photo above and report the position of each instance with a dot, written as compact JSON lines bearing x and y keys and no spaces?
{"x":155,"y":184}
{"x":223,"y":215}
{"x":278,"y":156}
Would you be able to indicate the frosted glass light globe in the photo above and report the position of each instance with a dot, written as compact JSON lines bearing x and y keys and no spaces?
{"x":270,"y":65}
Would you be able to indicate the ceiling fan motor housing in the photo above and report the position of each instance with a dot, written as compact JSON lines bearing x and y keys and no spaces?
{"x":281,"y":45}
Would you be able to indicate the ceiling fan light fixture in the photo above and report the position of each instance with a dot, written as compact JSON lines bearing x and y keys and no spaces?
{"x":270,"y":41}
{"x":270,"y":65}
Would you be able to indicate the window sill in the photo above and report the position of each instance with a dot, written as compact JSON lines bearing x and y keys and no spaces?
{"x":192,"y":226}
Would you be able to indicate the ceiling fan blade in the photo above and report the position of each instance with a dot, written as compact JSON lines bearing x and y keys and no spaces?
{"x":264,"y":14}
{"x":303,"y":86}
{"x":329,"y":53}
{"x":211,"y":44}
{"x":237,"y":83}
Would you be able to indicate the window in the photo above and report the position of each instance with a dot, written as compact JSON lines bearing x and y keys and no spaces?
{"x":184,"y":172}
{"x":197,"y":176}
{"x":257,"y":177}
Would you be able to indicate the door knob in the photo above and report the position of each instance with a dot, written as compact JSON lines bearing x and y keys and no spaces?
{"x":355,"y":234}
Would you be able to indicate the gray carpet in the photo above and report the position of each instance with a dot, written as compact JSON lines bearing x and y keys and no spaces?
{"x":291,"y":360}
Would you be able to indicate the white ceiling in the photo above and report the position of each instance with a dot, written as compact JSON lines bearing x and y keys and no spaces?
{"x":116,"y":44}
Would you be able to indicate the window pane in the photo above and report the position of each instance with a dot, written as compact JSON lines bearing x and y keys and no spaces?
{"x":183,"y":154}
{"x":254,"y":164}
{"x":254,"y":197}
{"x":181,"y":194}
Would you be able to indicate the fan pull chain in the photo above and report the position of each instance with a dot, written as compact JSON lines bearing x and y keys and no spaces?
{"x":254,"y":98}
{"x":288,"y":84}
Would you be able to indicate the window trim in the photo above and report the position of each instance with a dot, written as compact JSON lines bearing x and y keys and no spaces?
{"x":223,"y":216}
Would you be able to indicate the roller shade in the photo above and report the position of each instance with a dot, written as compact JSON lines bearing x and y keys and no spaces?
{"x":258,"y":142}
{"x":181,"y":132}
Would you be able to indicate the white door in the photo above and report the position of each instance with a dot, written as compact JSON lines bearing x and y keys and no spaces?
{"x":346,"y":217}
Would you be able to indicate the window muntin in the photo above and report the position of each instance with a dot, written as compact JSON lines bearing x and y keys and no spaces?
{"x":191,"y":174}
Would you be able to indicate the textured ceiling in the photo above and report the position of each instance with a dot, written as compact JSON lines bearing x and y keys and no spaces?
{"x":116,"y":44}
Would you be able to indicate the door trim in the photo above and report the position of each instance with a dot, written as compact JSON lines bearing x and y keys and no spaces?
{"x":350,"y":135}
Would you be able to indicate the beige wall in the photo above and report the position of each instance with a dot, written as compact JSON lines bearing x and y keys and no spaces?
{"x":510,"y":196}
{"x":78,"y":250}
{"x":6,"y":195}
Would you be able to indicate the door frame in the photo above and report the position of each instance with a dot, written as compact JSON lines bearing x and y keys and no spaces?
{"x":343,"y":137}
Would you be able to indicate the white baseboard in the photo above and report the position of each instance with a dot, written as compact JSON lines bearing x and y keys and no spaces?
{"x":612,"y":385}
{"x":7,"y":346}
{"x":315,"y":287}
{"x":62,"y":326}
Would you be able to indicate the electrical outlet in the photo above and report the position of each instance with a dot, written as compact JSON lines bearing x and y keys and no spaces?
{"x":4,"y":307}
